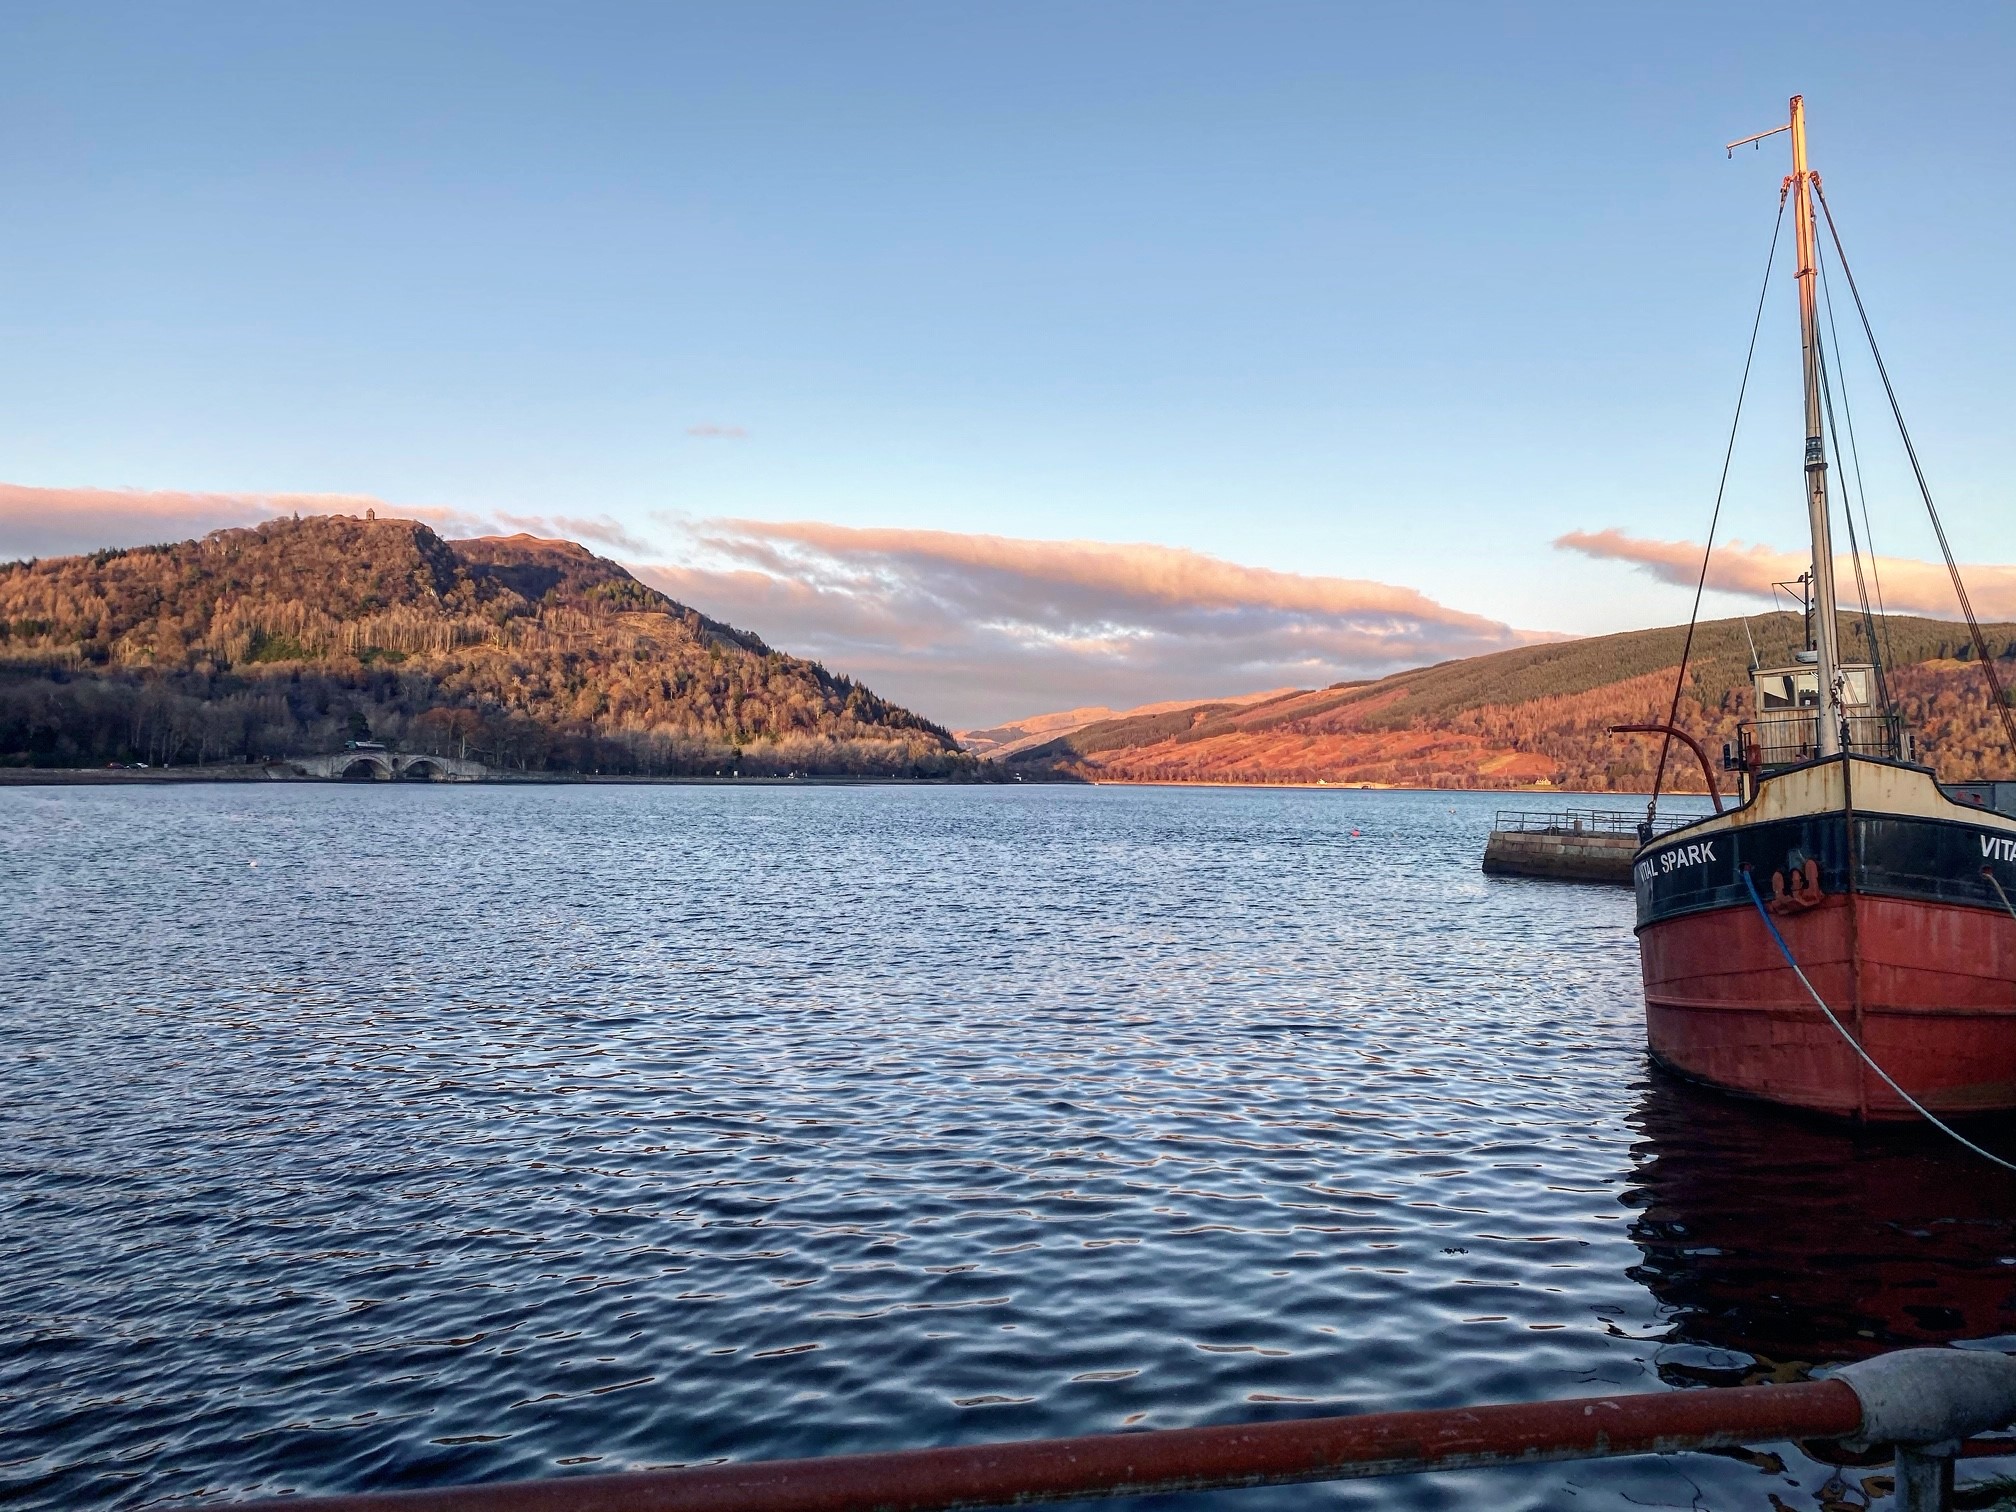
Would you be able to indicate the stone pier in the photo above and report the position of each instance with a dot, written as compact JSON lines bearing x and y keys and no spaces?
{"x":1578,"y":845}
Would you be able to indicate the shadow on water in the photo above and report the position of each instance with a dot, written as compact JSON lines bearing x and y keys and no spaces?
{"x":1777,"y":1242}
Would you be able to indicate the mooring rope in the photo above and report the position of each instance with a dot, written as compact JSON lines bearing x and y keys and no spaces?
{"x":1856,"y":1045}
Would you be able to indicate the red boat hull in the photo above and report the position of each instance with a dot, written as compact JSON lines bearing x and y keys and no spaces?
{"x":1937,"y":990}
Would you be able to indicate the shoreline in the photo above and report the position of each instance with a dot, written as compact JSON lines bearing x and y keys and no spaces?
{"x":259,"y":774}
{"x":1394,"y":787}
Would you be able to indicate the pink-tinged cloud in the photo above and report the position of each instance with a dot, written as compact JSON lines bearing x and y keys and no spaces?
{"x":1165,"y":575}
{"x":710,"y":432}
{"x":599,"y":529}
{"x":1908,"y":586}
{"x":971,"y":629}
{"x":40,"y":522}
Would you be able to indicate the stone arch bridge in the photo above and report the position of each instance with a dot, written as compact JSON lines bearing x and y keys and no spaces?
{"x":391,"y":766}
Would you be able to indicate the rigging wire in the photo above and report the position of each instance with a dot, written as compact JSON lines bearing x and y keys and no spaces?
{"x":2000,"y":700}
{"x":1848,"y":513}
{"x":1708,"y":549}
{"x":1854,"y":541}
{"x":1855,"y":455}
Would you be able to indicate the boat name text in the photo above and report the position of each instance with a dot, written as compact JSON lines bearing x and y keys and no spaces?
{"x":1698,"y":854}
{"x":1998,"y":847}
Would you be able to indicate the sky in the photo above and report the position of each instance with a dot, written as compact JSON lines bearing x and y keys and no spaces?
{"x":1010,"y":357}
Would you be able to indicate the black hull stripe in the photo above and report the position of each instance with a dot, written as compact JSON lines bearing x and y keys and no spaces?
{"x":1896,"y":856}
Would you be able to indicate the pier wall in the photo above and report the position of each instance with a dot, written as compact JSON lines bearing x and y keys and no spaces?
{"x":1567,"y":855}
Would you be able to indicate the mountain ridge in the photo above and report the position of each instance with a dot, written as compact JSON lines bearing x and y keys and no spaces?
{"x":1535,"y":716}
{"x":292,"y":635}
{"x":1012,"y":735}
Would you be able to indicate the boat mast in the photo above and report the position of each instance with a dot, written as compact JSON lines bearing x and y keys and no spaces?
{"x":1827,"y":720}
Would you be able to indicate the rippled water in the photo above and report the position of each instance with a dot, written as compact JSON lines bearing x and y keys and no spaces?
{"x":383,"y":1137}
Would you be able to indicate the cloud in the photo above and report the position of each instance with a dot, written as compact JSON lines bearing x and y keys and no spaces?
{"x":968,"y":629}
{"x":717,"y":432}
{"x":1908,"y":586}
{"x":600,"y":529}
{"x":38,"y":522}
{"x":972,"y":629}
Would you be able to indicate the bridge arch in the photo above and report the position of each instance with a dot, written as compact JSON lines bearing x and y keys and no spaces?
{"x":352,"y":765}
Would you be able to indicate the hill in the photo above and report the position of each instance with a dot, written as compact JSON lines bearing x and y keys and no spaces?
{"x":1537,"y":716}
{"x":999,"y":741}
{"x":294,"y":636}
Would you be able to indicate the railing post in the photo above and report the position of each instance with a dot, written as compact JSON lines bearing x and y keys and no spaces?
{"x":1922,"y":1402}
{"x":1925,"y":1477}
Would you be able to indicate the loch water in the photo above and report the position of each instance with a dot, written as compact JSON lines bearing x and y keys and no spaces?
{"x":393,"y":1136}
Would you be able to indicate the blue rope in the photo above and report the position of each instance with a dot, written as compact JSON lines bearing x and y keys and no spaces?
{"x":1854,"y":1044}
{"x":1765,"y":914}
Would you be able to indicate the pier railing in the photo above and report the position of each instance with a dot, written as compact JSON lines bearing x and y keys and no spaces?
{"x":1576,"y":821}
{"x":1919,"y":1403}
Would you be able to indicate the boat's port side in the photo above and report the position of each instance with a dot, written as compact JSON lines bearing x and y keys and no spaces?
{"x":1917,"y":959}
{"x":1911,"y":841}
{"x":1795,"y":863}
{"x":1721,"y":1007}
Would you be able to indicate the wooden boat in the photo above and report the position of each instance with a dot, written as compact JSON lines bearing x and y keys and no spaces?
{"x":1846,"y":855}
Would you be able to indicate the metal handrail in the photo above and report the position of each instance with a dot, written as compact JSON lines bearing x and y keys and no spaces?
{"x":1922,"y":1401}
{"x":1787,"y":739}
{"x":1575,"y":821}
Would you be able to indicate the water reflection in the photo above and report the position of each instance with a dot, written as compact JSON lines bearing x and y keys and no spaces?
{"x":877,"y":1117}
{"x":1778,"y":1242}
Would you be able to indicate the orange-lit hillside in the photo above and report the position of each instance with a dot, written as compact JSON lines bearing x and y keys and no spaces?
{"x":1536,"y":716}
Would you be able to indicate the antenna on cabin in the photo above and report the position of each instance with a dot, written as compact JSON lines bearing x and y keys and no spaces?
{"x":1800,"y":590}
{"x":1754,"y":664}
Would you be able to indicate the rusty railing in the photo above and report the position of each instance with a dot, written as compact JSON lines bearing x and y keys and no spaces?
{"x":1920,"y":1402}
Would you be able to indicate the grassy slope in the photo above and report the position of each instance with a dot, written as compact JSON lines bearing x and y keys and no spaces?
{"x":1539,"y":714}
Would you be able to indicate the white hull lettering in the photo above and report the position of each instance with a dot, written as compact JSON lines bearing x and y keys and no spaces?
{"x":1698,"y":854}
{"x":1998,"y":847}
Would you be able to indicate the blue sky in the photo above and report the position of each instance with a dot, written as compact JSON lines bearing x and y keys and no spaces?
{"x":1398,"y":294}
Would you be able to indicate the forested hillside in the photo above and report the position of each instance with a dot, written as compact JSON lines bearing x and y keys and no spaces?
{"x":292,"y":637}
{"x":1541,"y":715}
